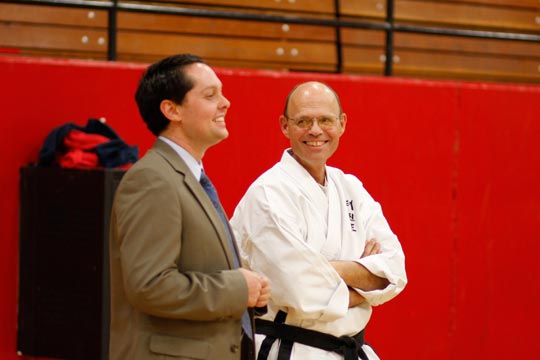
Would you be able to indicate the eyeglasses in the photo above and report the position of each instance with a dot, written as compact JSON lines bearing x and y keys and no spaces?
{"x":306,"y":122}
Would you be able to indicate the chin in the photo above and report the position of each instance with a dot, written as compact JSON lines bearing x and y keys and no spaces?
{"x":222,"y":135}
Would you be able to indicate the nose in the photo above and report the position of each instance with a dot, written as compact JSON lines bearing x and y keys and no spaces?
{"x":225,"y":103}
{"x":315,"y":129}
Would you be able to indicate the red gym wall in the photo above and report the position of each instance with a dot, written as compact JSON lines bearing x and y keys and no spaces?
{"x":456,"y":167}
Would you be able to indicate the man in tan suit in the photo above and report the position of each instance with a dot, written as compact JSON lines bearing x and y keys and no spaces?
{"x":176,"y":288}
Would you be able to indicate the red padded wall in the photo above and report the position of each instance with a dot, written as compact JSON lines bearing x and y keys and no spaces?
{"x":454,"y":165}
{"x":496,"y":268}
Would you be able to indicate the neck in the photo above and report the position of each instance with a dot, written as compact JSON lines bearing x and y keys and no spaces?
{"x":317,"y":172}
{"x":181,"y":141}
{"x":319,"y":177}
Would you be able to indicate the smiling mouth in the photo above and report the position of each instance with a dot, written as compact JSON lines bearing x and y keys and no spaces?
{"x":314,"y":143}
{"x":220,"y":119}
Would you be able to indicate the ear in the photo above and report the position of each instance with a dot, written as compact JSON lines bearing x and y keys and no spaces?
{"x":170,"y":110}
{"x":284,"y":123}
{"x":343,"y":122}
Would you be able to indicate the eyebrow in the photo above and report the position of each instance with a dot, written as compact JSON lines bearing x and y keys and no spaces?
{"x":315,"y":116}
{"x":212,"y":87}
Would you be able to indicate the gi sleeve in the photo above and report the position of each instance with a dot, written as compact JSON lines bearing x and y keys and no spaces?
{"x":390,"y":263}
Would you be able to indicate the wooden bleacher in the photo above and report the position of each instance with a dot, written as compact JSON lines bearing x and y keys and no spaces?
{"x":447,"y":57}
{"x":46,"y":30}
{"x":226,"y":42}
{"x":53,"y":31}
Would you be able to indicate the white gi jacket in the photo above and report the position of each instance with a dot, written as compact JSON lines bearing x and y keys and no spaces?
{"x":289,"y":230}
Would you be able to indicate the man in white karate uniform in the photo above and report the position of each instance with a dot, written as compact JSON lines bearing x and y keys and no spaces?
{"x":319,"y":237}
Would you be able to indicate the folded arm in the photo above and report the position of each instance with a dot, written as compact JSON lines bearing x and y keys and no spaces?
{"x":357,"y":276}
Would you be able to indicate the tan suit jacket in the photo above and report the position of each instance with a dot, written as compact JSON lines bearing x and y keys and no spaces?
{"x":173,"y":291}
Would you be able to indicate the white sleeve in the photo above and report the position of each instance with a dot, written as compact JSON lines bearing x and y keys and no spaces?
{"x":270,"y":229}
{"x":390,"y":263}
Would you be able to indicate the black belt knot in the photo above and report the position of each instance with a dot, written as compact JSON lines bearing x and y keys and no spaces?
{"x":349,"y":347}
{"x":348,"y":341}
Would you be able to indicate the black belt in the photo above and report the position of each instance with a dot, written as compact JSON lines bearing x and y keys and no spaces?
{"x":348,"y":346}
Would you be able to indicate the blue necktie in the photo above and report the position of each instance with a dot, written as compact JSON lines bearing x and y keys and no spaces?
{"x":212,"y":194}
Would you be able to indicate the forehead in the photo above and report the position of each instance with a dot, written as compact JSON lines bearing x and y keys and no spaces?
{"x":313,"y":99}
{"x":202,"y":76}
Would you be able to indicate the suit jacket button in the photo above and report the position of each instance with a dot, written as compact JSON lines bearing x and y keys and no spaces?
{"x":235,"y":348}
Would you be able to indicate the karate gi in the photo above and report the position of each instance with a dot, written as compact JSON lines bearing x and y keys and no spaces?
{"x":289,"y":227}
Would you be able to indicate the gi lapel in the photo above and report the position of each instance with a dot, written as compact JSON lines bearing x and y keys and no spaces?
{"x":314,"y":209}
{"x":334,"y":235}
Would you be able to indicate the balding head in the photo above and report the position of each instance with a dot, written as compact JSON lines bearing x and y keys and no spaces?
{"x":311,"y":92}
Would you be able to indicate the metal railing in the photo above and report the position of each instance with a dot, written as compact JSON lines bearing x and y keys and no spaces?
{"x":388,"y":25}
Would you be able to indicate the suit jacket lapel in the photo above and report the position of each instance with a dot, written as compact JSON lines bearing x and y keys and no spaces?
{"x":198,"y":192}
